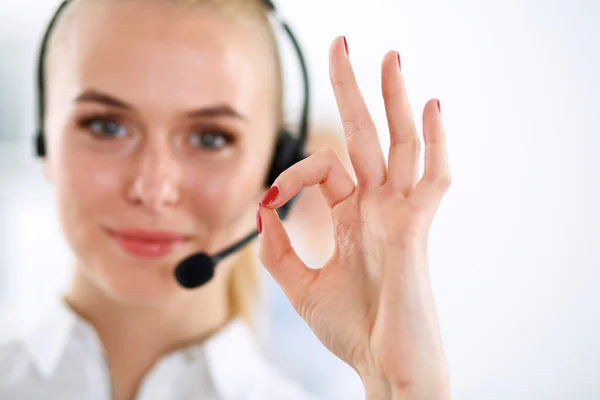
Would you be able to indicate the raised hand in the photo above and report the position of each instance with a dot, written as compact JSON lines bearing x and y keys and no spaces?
{"x":371,"y":304}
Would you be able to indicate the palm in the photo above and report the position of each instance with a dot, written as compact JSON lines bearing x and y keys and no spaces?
{"x":371,"y":304}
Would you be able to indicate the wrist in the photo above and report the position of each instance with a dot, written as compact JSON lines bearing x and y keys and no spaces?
{"x":379,"y":388}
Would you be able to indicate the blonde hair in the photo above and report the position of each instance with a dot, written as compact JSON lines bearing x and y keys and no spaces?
{"x":244,"y":280}
{"x":244,"y":287}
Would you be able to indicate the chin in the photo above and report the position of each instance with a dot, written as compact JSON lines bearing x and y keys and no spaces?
{"x":134,"y":283}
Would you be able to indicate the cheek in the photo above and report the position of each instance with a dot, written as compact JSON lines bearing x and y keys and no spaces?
{"x":87,"y":195}
{"x":225,"y":198}
{"x":222,"y":199}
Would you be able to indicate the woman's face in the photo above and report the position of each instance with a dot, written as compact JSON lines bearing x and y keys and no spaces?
{"x":160,"y":127}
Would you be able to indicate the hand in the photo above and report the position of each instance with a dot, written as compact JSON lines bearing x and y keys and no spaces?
{"x":371,"y":304}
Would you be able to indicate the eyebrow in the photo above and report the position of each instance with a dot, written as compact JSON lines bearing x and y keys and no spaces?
{"x":93,"y":96}
{"x":218,"y":110}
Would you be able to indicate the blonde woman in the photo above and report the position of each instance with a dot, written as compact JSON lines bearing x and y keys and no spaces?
{"x":161,"y":118}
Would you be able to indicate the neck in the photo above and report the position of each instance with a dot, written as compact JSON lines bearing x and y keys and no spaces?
{"x":135,"y":337}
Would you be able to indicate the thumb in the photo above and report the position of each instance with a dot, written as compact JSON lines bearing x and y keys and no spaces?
{"x":280,"y":259}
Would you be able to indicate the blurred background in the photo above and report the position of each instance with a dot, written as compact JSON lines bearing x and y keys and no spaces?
{"x":514,"y":250}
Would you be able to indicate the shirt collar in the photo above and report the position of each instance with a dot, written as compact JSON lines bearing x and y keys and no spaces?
{"x":235,"y":360}
{"x":47,"y":342}
{"x":233,"y":356}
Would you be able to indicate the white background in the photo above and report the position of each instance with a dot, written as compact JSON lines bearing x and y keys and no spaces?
{"x":514,"y":258}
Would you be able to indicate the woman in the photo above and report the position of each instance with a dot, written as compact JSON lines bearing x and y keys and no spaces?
{"x":160,"y":125}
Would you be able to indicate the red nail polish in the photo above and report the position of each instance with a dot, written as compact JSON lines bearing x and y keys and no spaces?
{"x":439,"y":107}
{"x":346,"y":46}
{"x":399,"y":63}
{"x":258,"y":220}
{"x":270,"y":196}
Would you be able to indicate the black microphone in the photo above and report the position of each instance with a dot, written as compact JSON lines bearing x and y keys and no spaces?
{"x":199,"y":268}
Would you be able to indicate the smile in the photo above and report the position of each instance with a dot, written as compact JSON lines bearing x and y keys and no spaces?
{"x":148,"y":244}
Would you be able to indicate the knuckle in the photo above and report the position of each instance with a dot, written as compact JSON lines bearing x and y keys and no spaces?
{"x":404,"y":236}
{"x":286,"y":176}
{"x":353,"y":126}
{"x":337,"y":80}
{"x":441,"y":182}
{"x":410,"y":140}
{"x":290,"y":179}
{"x":412,"y":224}
{"x":283,"y":256}
{"x":329,"y":155}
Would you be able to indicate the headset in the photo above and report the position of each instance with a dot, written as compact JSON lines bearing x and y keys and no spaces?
{"x":290,"y":148}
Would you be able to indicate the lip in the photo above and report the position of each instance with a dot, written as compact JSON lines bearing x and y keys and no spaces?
{"x":148,"y":244}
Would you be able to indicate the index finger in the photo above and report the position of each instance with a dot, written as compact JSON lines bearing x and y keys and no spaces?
{"x":362,"y":140}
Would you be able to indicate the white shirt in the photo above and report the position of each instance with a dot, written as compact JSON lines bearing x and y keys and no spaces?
{"x":62,"y":359}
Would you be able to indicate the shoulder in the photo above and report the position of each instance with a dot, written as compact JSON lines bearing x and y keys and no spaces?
{"x":30,"y":357}
{"x":16,"y":368}
{"x":12,"y":353}
{"x":15,"y":362}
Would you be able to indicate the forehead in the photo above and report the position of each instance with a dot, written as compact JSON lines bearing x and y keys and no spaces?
{"x":157,"y":51}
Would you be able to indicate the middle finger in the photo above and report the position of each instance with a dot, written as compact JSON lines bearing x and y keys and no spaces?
{"x":362,"y":140}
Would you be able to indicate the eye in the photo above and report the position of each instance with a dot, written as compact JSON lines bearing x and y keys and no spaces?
{"x":106,"y":127}
{"x":212,"y":140}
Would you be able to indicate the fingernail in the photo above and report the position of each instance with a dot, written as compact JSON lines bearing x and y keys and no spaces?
{"x":346,"y":46}
{"x":399,"y":63}
{"x":270,"y":196}
{"x":258,"y":220}
{"x":439,"y":107}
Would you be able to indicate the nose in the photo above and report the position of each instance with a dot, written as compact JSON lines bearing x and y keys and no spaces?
{"x":157,"y":179}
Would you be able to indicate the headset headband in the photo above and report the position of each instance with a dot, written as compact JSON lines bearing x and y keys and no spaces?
{"x":40,"y":144}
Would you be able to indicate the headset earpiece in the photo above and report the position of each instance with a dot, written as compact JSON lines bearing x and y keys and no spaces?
{"x":288,"y":151}
{"x":40,"y":144}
